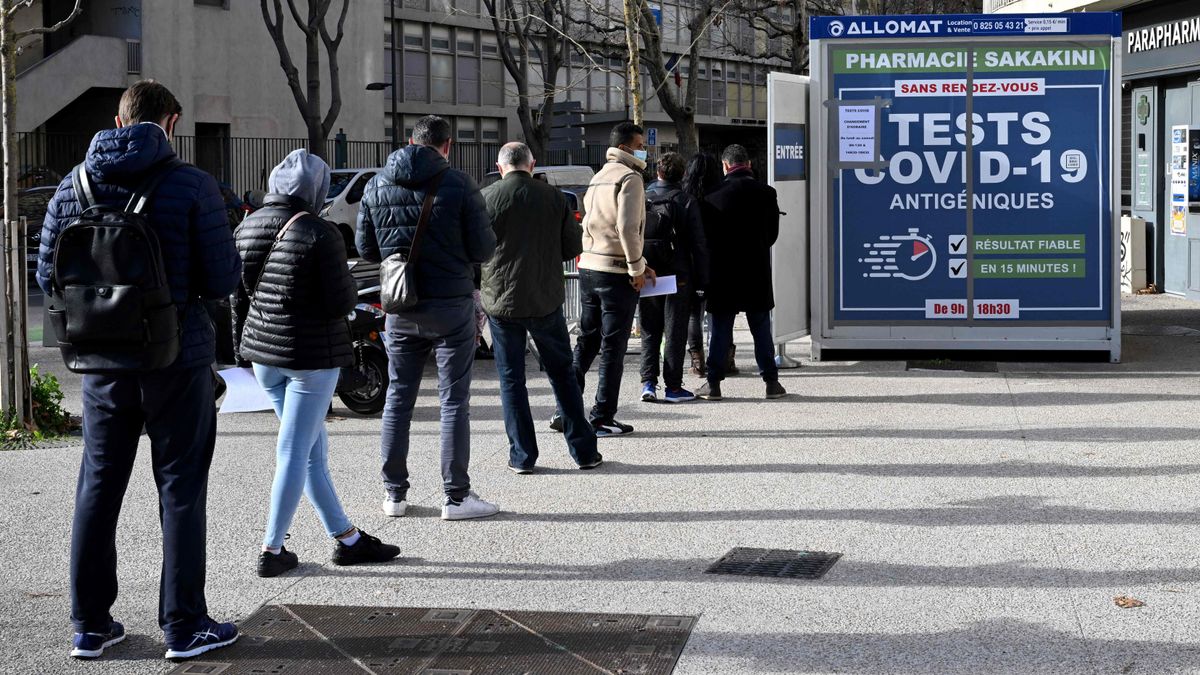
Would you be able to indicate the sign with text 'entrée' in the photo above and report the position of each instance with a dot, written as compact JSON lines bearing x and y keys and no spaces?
{"x":1002,"y":214}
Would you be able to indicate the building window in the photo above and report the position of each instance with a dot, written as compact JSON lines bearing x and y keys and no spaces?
{"x":414,"y":35}
{"x":416,"y":77}
{"x":489,"y":130}
{"x":468,"y":80}
{"x":466,"y":41}
{"x":466,"y":129}
{"x":439,"y":38}
{"x":489,"y":45}
{"x":493,"y":82}
{"x":442,"y":70}
{"x":410,"y":121}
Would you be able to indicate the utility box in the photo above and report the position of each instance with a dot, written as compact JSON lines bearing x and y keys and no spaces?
{"x":963,"y":182}
{"x":1133,"y":254}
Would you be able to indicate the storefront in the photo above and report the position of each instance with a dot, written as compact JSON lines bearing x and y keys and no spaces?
{"x":1161,"y":110}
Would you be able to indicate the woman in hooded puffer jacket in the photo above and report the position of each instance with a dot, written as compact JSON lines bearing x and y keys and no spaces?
{"x":297,"y":293}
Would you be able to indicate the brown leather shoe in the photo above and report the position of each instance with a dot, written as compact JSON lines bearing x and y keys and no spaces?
{"x":698,"y":367}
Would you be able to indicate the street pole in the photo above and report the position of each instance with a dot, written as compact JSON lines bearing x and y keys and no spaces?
{"x":395,"y":124}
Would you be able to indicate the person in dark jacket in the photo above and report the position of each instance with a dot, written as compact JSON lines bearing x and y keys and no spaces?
{"x":745,"y":227}
{"x":702,"y":176}
{"x":682,"y":251}
{"x":457,"y":237}
{"x":298,"y":292}
{"x":523,"y":296}
{"x":174,"y":404}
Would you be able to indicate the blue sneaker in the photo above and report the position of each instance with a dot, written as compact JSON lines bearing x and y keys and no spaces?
{"x":209,"y":635}
{"x":649,"y":392}
{"x":92,"y":645}
{"x":679,"y":395}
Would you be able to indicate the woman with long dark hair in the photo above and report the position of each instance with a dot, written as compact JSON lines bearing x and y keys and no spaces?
{"x":702,"y":176}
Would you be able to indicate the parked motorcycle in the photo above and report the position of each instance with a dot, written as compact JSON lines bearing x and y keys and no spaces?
{"x":363,"y":386}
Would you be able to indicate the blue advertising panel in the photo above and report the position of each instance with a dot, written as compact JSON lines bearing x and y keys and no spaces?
{"x":981,"y":199}
{"x":963,"y":25}
{"x":789,"y":152}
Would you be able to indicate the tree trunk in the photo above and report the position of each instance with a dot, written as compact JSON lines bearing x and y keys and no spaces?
{"x":312,"y":116}
{"x":634,"y":73}
{"x":15,"y":368}
{"x":689,"y":136}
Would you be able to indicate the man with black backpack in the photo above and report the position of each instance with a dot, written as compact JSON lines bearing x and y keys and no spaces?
{"x":674,"y":244}
{"x":133,"y":243}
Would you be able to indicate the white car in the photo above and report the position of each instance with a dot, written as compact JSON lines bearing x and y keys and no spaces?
{"x":346,"y":188}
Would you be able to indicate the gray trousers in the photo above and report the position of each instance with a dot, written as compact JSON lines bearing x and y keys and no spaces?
{"x":445,"y":326}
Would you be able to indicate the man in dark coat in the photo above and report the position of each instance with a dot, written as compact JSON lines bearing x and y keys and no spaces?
{"x":745,"y":226}
{"x":523,"y":296}
{"x":174,"y":404}
{"x":457,"y":237}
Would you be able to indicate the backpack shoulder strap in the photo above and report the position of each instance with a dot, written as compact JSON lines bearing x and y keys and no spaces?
{"x":141,"y":196}
{"x":82,"y":183}
{"x":414,"y":250}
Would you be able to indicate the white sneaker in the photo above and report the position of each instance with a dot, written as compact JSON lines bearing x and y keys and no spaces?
{"x":470,"y":507}
{"x":394,"y":509}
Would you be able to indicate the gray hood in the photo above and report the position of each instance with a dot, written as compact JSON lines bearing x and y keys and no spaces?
{"x":303,"y":176}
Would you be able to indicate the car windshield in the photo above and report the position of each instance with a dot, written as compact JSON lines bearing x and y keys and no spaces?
{"x":338,"y":181}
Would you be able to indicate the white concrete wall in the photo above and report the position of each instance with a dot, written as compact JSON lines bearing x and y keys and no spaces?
{"x":224,"y":68}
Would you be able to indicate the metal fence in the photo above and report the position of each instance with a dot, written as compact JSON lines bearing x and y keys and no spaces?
{"x":245,"y":163}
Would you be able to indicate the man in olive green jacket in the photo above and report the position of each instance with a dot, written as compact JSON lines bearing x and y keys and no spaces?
{"x":522,"y":293}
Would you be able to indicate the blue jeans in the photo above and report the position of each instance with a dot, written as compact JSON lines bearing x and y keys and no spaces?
{"x":445,"y":326}
{"x":554,"y":346}
{"x":176,"y":407}
{"x":720,"y":339}
{"x":301,"y":399}
{"x":607,"y":305}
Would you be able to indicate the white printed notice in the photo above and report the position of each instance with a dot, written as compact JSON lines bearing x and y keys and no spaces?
{"x":856,"y":133}
{"x":660,"y":286}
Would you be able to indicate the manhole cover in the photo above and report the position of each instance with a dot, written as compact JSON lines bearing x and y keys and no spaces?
{"x":775,"y":562}
{"x":287,"y":639}
{"x":957,"y":366}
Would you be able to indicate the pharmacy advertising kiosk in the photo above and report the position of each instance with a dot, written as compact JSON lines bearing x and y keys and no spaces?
{"x":962,"y":181}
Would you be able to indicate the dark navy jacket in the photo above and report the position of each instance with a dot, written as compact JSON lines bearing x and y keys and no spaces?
{"x":187,"y":213}
{"x":459,"y":234}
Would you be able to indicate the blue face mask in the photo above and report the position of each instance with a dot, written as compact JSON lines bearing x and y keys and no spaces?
{"x":640,"y":154}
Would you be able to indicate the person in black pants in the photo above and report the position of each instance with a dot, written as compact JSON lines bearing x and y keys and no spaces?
{"x":175,"y":404}
{"x":612,"y":270}
{"x":745,"y":226}
{"x":702,"y":176}
{"x":674,"y":244}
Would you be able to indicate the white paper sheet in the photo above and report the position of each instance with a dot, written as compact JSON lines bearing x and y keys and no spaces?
{"x":856,"y":133}
{"x":243,"y":393}
{"x":662,"y":286}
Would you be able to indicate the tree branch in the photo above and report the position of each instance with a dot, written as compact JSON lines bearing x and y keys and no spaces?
{"x":43,"y":30}
{"x":275,"y":28}
{"x":335,"y":80}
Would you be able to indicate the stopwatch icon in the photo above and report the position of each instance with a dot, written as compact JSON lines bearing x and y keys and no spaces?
{"x":904,"y":256}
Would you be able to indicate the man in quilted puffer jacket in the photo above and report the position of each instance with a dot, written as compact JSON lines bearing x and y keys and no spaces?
{"x":174,"y":404}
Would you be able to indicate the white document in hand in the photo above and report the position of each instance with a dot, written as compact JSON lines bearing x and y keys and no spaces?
{"x":662,"y":286}
{"x":243,"y":393}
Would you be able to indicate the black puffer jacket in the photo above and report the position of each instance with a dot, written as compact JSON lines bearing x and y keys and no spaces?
{"x":297,"y":318}
{"x":459,"y":234}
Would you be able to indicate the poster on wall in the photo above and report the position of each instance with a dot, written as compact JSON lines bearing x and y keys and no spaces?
{"x":1022,"y":231}
{"x":1179,"y":180}
{"x":1194,"y":169}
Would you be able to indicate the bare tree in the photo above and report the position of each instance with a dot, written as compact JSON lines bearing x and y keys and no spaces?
{"x":540,"y":29}
{"x":316,"y":34}
{"x":14,"y":366}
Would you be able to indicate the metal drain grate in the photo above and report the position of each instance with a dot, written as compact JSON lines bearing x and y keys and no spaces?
{"x":774,"y":562}
{"x":301,"y":639}
{"x":954,"y":366}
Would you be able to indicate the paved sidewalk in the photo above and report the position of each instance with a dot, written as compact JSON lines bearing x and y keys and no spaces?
{"x":987,"y":520}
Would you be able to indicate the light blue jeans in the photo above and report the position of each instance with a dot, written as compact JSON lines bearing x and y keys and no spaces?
{"x":301,"y":399}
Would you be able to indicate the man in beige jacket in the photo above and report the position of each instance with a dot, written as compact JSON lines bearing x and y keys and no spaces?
{"x":612,"y":270}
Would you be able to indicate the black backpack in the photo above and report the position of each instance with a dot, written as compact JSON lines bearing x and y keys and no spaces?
{"x":111,"y":306}
{"x":659,"y":238}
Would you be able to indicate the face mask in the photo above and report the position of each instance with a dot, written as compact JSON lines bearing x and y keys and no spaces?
{"x":640,"y":154}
